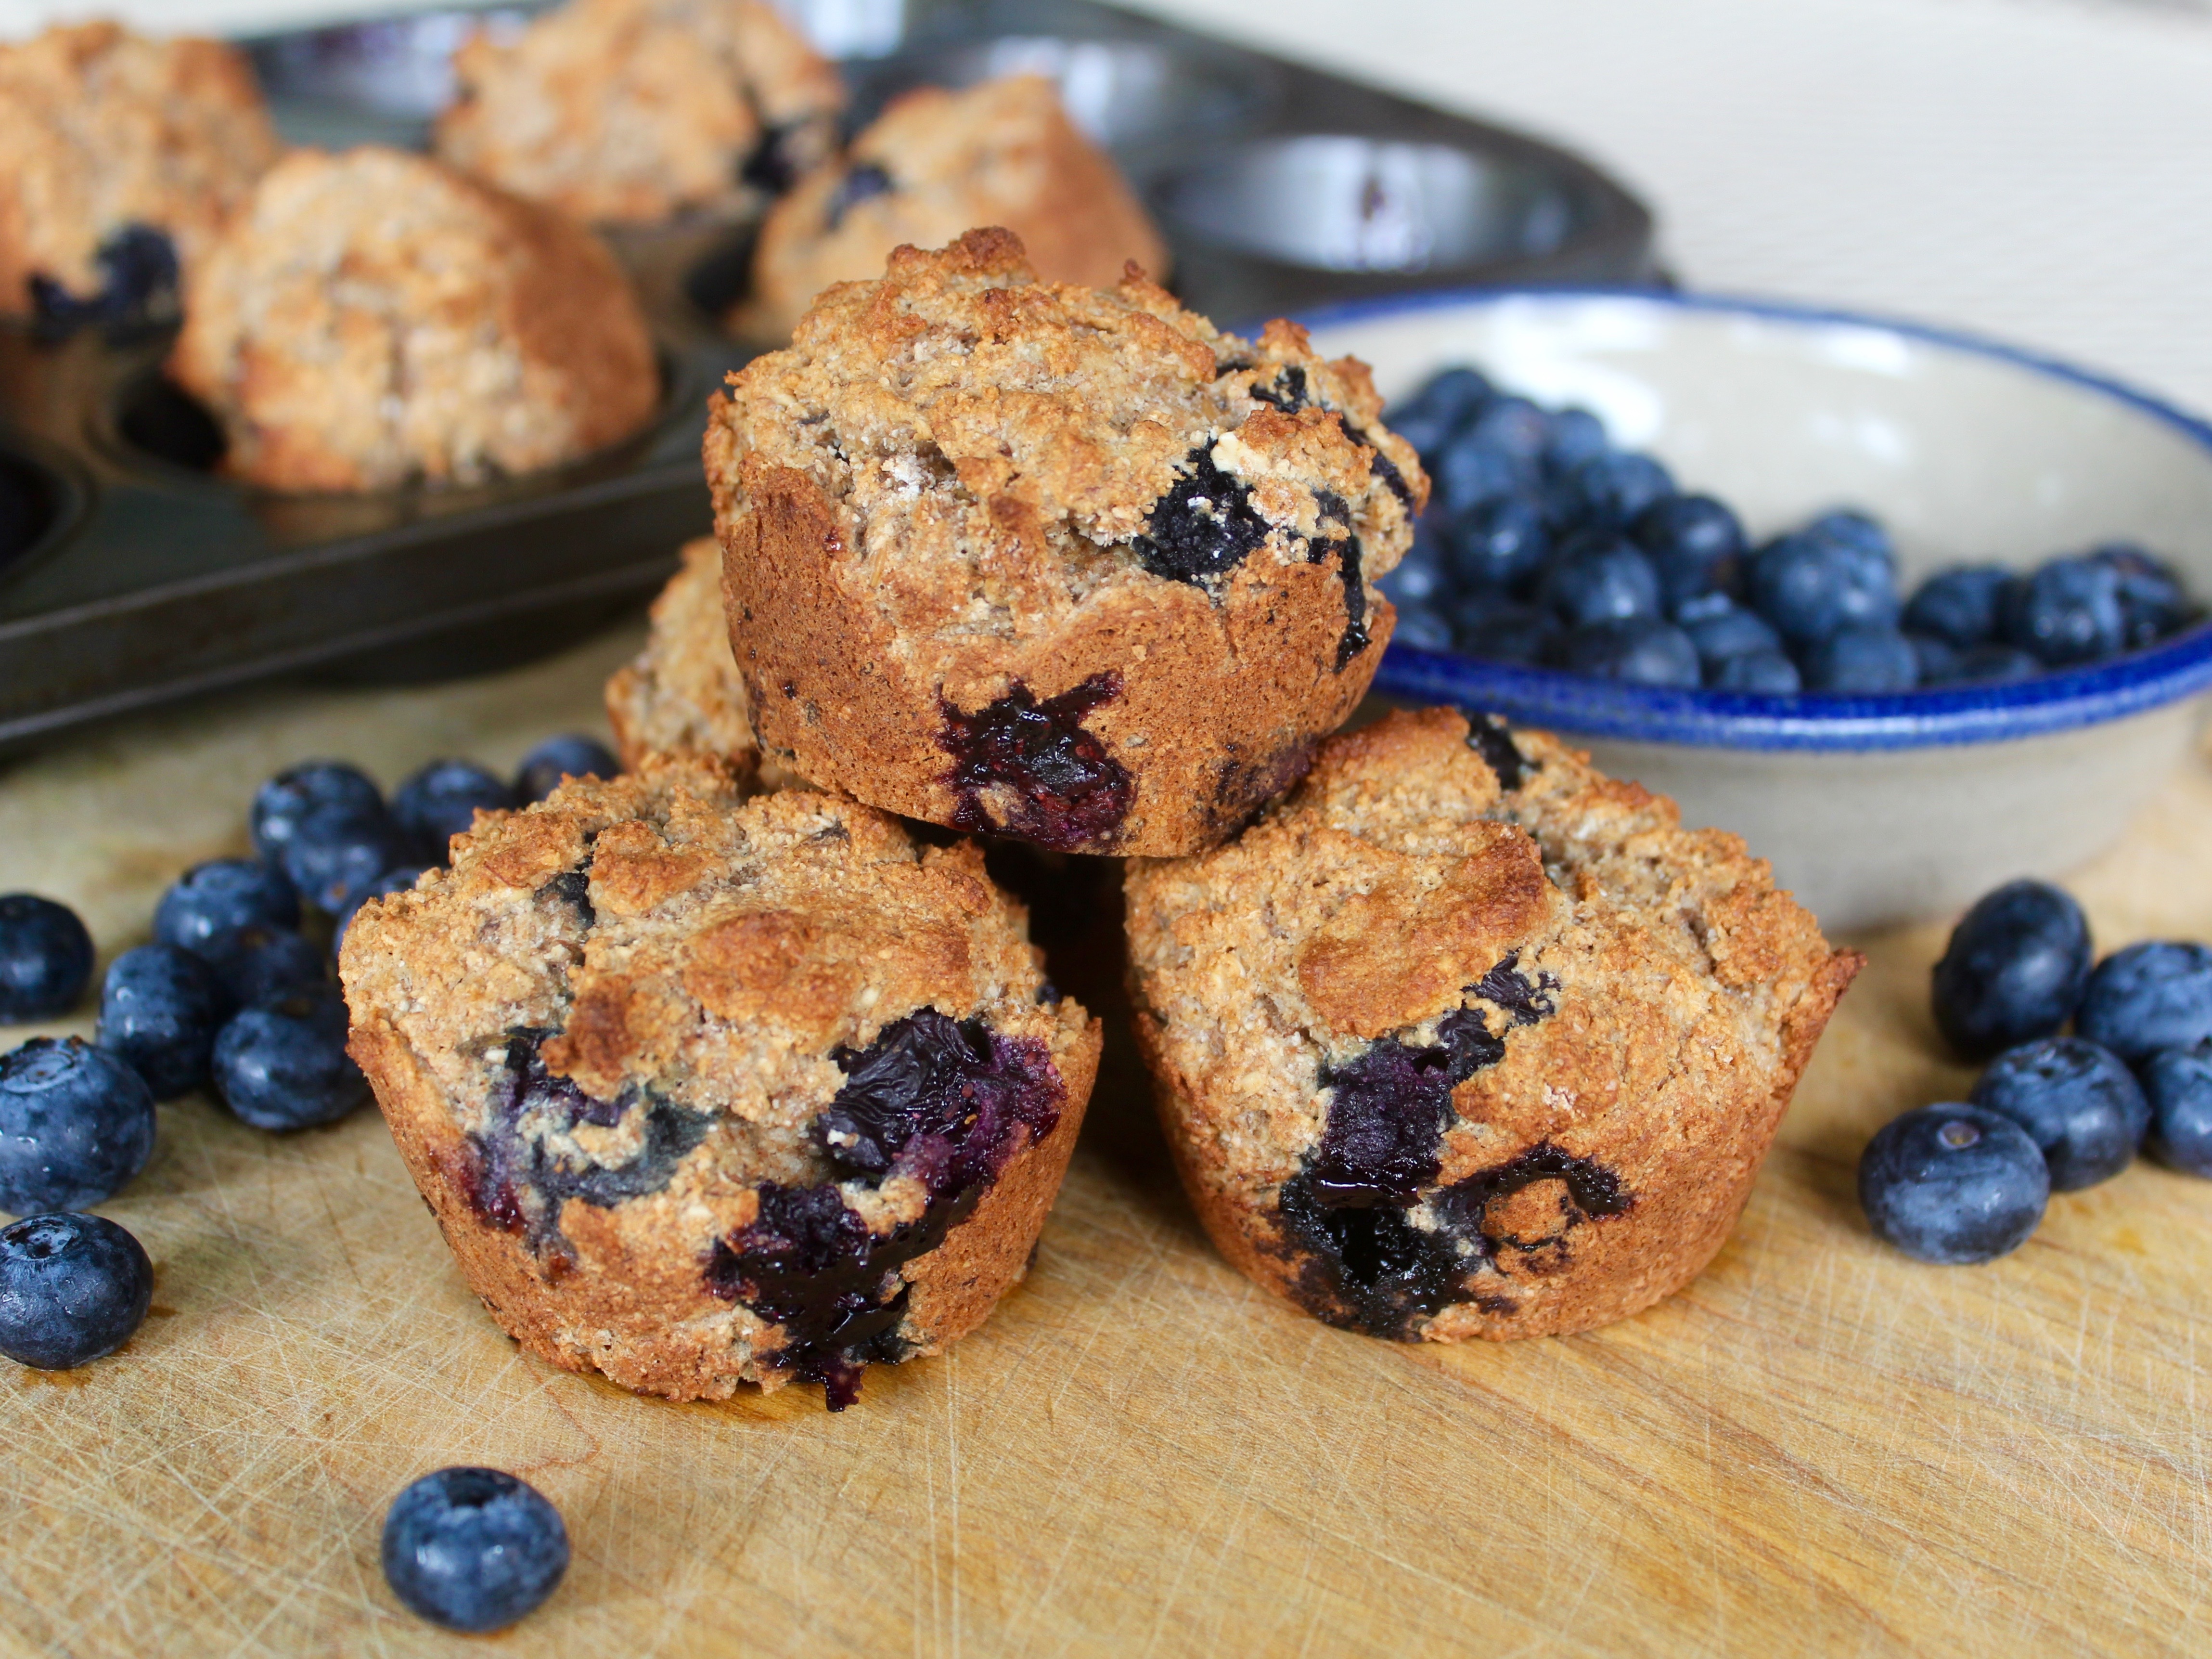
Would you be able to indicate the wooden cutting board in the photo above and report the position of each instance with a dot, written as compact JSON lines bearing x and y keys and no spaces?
{"x":1820,"y":1447}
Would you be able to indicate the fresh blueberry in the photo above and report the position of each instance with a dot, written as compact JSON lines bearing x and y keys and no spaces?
{"x":2015,"y":970}
{"x":2068,"y":612}
{"x":1721,"y":629}
{"x":2178,"y":1084}
{"x":1517,"y":427}
{"x":396,"y":880}
{"x":1757,"y":671}
{"x":1953,"y":1184}
{"x":1428,"y":418}
{"x":1989,"y":665}
{"x":221,"y":894}
{"x":2153,"y":602}
{"x":336,"y":851}
{"x":1500,"y":631}
{"x":1641,"y":651}
{"x":473,"y":1549}
{"x":2079,"y":1102}
{"x":1423,"y":629}
{"x":1854,"y":529}
{"x":76,"y":1124}
{"x":1810,"y":587}
{"x":1421,"y":577}
{"x":1577,"y":435}
{"x":45,"y":958}
{"x":283,"y":1064}
{"x":1617,"y":486}
{"x":1961,"y":606}
{"x":280,"y":804}
{"x":2152,"y":995}
{"x":1938,"y":658}
{"x":442,"y":799}
{"x":570,"y":755}
{"x":159,"y":1011}
{"x":1597,"y":578}
{"x":253,"y":962}
{"x":1469,"y":472}
{"x":1500,"y":545}
{"x":72,"y":1288}
{"x":1695,"y":543}
{"x":1862,"y":660}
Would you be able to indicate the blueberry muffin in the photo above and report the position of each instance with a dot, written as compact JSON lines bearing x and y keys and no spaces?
{"x":1063,"y":565}
{"x":639,"y":111}
{"x":125,"y":157}
{"x":374,"y":319}
{"x":937,"y":163}
{"x":1465,"y":1040}
{"x":704,"y":1090}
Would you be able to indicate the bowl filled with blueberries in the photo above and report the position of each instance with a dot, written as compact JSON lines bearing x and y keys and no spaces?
{"x":1905,"y":609}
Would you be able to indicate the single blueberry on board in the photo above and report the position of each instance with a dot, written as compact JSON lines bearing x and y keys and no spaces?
{"x":1810,"y":587}
{"x":76,"y":1124}
{"x":1640,"y":651}
{"x":2149,"y":997}
{"x":1617,"y":486}
{"x":2015,"y":970}
{"x":1423,"y":629}
{"x":292,"y":794}
{"x":1862,"y":660}
{"x":1577,"y":435}
{"x":282,"y":1064}
{"x":1503,"y":632}
{"x":572,"y":754}
{"x":1695,"y":543}
{"x":336,"y":851}
{"x":72,"y":1288}
{"x":442,"y":801}
{"x":1769,"y":672}
{"x":1953,"y":1184}
{"x":2177,"y":1083}
{"x":1721,"y":629}
{"x":473,"y":1549}
{"x":1500,"y":545}
{"x":1597,"y":578}
{"x":2067,"y":612}
{"x":221,"y":894}
{"x":2077,"y":1101}
{"x":45,"y":958}
{"x":1962,"y":606}
{"x":2153,"y":602}
{"x":1991,"y":665}
{"x":160,"y":1009}
{"x":253,"y":962}
{"x":391,"y":882}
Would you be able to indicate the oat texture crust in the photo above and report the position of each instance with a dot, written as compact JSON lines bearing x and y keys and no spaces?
{"x":635,"y":1045}
{"x":641,"y":111}
{"x":1066,"y":564}
{"x":937,"y":163}
{"x":374,"y":319}
{"x":1465,"y":1040}
{"x":102,"y":131}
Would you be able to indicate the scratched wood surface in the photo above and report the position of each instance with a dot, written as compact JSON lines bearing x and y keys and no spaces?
{"x":1820,"y":1448}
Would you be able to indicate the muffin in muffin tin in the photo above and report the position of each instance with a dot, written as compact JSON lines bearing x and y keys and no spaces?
{"x":937,"y":163}
{"x":373,"y":319}
{"x":125,"y":157}
{"x":637,"y":111}
{"x":1035,"y":559}
{"x":706,"y":1090}
{"x":1465,"y":1040}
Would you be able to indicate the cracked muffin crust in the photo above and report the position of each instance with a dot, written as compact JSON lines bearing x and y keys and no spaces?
{"x":638,"y":110}
{"x":934,"y":164}
{"x":125,"y":157}
{"x":1068,"y":565}
{"x":1465,"y":1040}
{"x":374,"y":319}
{"x":703,"y":1089}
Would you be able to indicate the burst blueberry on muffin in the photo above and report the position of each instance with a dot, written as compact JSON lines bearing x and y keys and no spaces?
{"x":937,"y":163}
{"x":125,"y":157}
{"x":638,"y":111}
{"x":373,"y":319}
{"x":1067,"y":566}
{"x":1465,"y":1040}
{"x":704,"y":1090}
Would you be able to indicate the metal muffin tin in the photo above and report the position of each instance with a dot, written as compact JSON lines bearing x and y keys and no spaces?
{"x":152,"y":578}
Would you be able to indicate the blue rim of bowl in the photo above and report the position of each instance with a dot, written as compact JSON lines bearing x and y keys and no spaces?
{"x":2062,"y":700}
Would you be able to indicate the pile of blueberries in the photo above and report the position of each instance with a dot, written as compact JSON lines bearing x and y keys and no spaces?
{"x":1967,"y":1181}
{"x":1546,"y":547}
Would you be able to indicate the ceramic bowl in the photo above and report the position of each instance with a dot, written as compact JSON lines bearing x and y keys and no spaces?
{"x":1876,"y":809}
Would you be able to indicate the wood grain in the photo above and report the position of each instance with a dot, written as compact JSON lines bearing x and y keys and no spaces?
{"x":1820,"y":1448}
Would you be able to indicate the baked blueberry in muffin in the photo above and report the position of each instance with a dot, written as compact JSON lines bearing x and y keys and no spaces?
{"x":1465,"y":1040}
{"x":125,"y":157}
{"x":374,"y":319}
{"x":640,"y":111}
{"x":937,"y":163}
{"x":705,"y":1089}
{"x":1065,"y":564}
